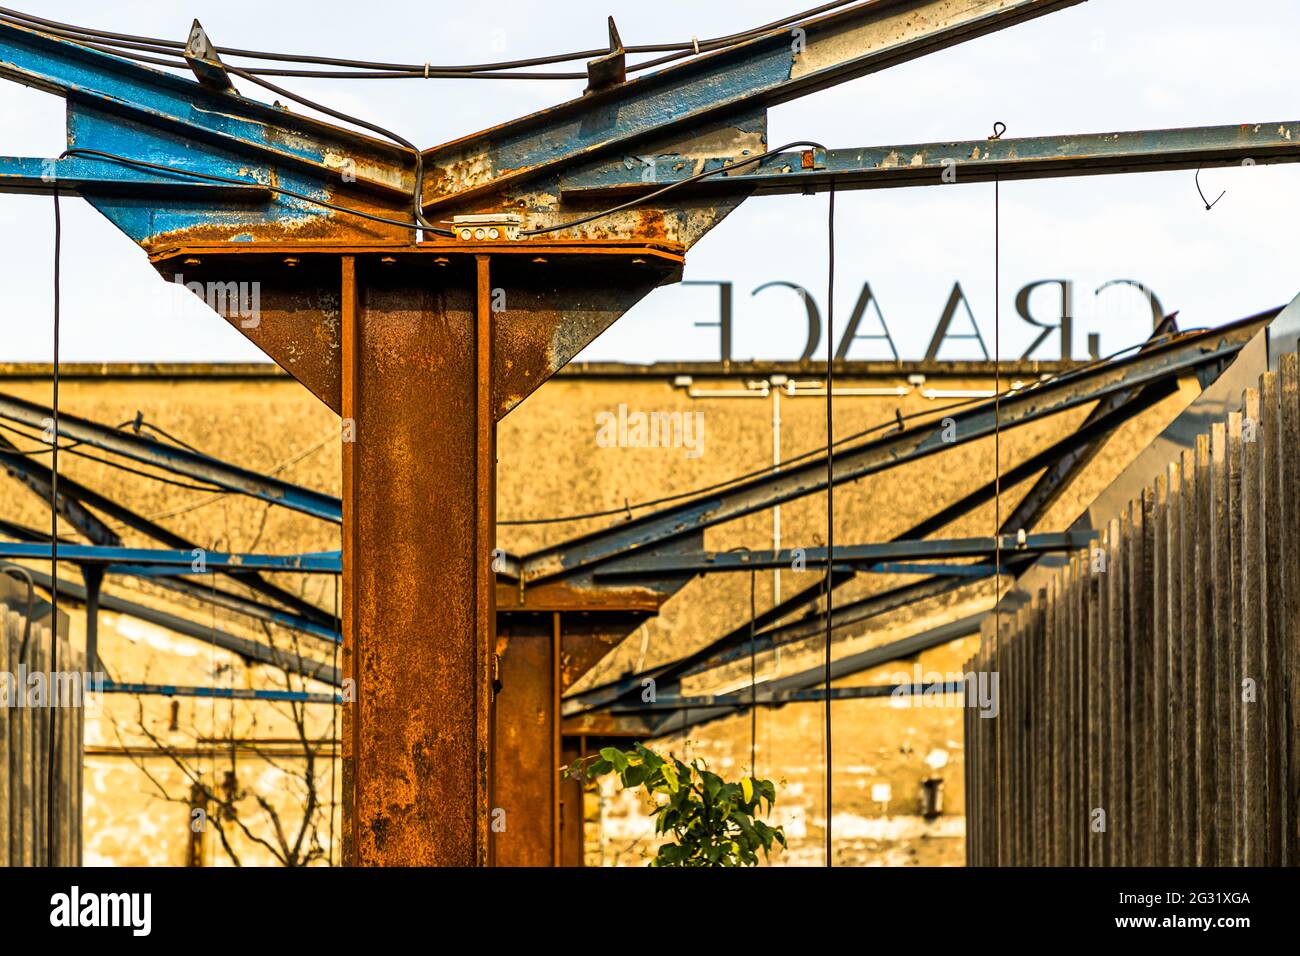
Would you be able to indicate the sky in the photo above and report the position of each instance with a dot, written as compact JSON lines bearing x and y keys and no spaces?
{"x":1106,"y":65}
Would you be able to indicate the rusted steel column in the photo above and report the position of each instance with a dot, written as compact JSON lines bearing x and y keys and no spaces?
{"x":348,"y":342}
{"x":572,"y":823}
{"x":418,"y":517}
{"x":524,"y":766}
{"x":557,"y":646}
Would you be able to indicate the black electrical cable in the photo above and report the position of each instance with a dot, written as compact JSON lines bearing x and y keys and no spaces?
{"x":50,"y":804}
{"x":45,"y":451}
{"x":162,"y":46}
{"x":753,"y":680}
{"x":417,"y":199}
{"x":721,"y":170}
{"x":882,"y":426}
{"x":235,"y":181}
{"x":111,"y":464}
{"x":830,"y":493}
{"x":171,"y":438}
{"x":334,"y":717}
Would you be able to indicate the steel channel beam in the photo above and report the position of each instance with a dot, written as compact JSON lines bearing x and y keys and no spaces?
{"x":73,"y":494}
{"x":245,"y":648}
{"x":806,"y":681}
{"x":740,"y":701}
{"x":973,"y":161}
{"x":175,"y":460}
{"x":711,"y":562}
{"x":763,"y":72}
{"x":1116,"y":410}
{"x":1180,"y":356}
{"x":154,"y":99}
{"x":1101,"y":421}
{"x":223,"y":693}
{"x":91,"y":176}
{"x":148,"y":561}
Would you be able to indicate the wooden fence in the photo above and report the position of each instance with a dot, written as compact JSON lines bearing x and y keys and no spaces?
{"x":25,"y":737}
{"x":1146,"y":696}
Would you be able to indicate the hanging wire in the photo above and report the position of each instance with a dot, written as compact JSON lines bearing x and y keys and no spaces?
{"x":151,"y":49}
{"x":753,"y":680}
{"x":997,"y":440}
{"x":830,"y":497}
{"x":54,"y":542}
{"x":334,"y":718}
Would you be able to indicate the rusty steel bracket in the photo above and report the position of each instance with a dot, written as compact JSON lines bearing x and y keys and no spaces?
{"x":202,"y":57}
{"x":609,"y":70}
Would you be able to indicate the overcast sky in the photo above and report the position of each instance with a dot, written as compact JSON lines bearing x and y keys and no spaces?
{"x":1103,"y":66}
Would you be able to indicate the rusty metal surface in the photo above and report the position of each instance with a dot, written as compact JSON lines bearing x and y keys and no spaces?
{"x":418,"y":566}
{"x":525,"y":770}
{"x":550,"y":309}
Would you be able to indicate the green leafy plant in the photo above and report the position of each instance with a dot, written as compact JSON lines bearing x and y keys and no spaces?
{"x":710,"y":822}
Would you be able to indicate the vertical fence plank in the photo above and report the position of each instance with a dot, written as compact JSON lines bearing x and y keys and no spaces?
{"x":1113,"y":620}
{"x":1080,"y":791}
{"x":1274,"y":657}
{"x":1255,"y":775}
{"x":1187,"y":717}
{"x":1154,"y":678}
{"x":1204,"y":734}
{"x":1219,"y":710}
{"x":1157,"y":780}
{"x":1039,"y":739}
{"x":1141,"y":677}
{"x":1288,"y":455}
{"x":1236,"y":636}
{"x":1174,"y":672}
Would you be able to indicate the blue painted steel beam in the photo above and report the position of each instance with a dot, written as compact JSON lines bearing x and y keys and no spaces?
{"x":151,"y":561}
{"x":876,"y":557}
{"x":249,"y":650}
{"x":763,"y":72}
{"x":1183,"y":355}
{"x":176,"y":460}
{"x":932,"y":164}
{"x":223,"y":693}
{"x":103,"y":83}
{"x":240,"y":605}
{"x":91,"y":175}
{"x":206,"y":593}
{"x":75,"y":503}
{"x":742,"y":699}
